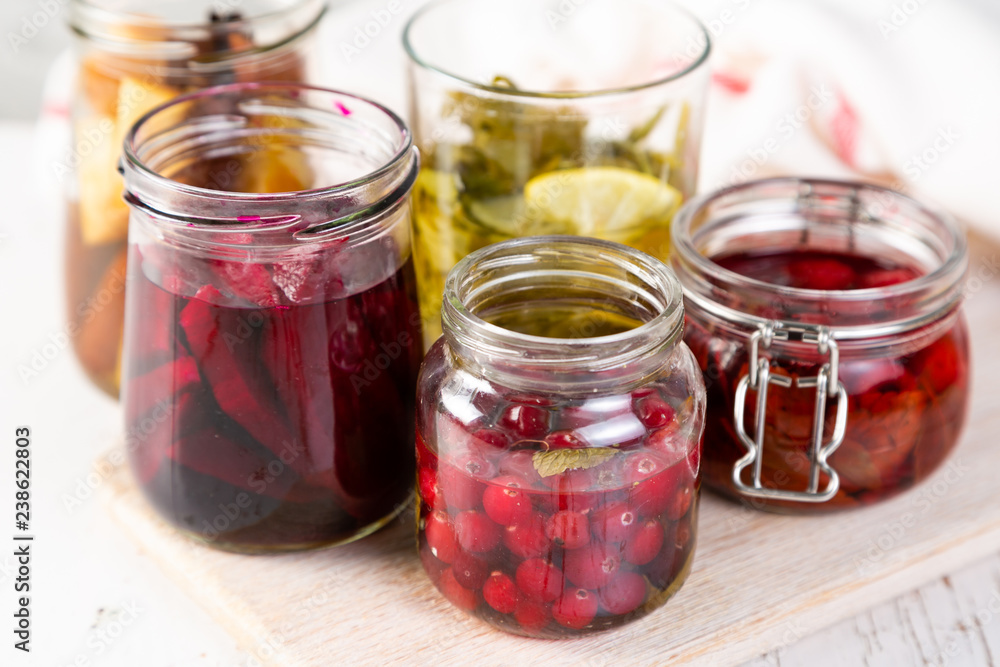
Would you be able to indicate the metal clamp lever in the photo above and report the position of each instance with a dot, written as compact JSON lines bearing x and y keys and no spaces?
{"x":827,"y":385}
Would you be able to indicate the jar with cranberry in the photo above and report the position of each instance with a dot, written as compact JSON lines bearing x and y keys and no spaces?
{"x":827,"y":319}
{"x":559,"y":422}
{"x":272,"y":337}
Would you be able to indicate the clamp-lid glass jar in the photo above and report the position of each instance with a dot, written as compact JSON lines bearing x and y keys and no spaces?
{"x":827,"y":319}
{"x":559,"y":426}
{"x":131,"y":56}
{"x":272,"y":341}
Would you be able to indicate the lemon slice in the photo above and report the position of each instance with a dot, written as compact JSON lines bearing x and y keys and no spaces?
{"x":598,"y":201}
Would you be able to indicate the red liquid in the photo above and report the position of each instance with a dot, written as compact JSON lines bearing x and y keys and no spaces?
{"x":275,"y":425}
{"x":567,"y":554}
{"x":905,"y":412}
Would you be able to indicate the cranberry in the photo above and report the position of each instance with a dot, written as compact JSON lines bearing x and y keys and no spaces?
{"x":593,"y":565}
{"x":653,"y":483}
{"x":654,"y":412}
{"x":525,"y":422}
{"x":470,"y":571}
{"x":490,"y":440}
{"x":475,"y":532}
{"x":885,"y":278}
{"x":614,"y":523}
{"x":531,"y":616}
{"x":459,"y":595}
{"x":564,"y":440}
{"x":575,"y":608}
{"x":538,"y":580}
{"x":821,"y":274}
{"x":500,"y":593}
{"x":519,"y":463}
{"x":941,"y":363}
{"x":441,"y":537}
{"x":568,"y":528}
{"x":670,"y":442}
{"x":645,"y":543}
{"x":457,"y":485}
{"x":624,"y":593}
{"x":505,"y":502}
{"x":429,"y":488}
{"x":680,"y":503}
{"x":527,"y":539}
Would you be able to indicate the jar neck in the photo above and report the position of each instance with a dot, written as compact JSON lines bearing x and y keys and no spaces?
{"x":357,"y":154}
{"x":793,"y":214}
{"x":180,"y":39}
{"x":588,"y":275}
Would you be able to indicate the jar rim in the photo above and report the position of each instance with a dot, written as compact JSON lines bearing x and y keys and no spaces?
{"x":937,"y":291}
{"x":102,"y":25}
{"x":501,"y":91}
{"x":638,"y":351}
{"x":394,"y":177}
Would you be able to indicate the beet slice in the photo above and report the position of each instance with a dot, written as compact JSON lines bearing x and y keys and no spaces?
{"x":210,"y":452}
{"x":223,"y":343}
{"x":247,"y":281}
{"x":161,"y":384}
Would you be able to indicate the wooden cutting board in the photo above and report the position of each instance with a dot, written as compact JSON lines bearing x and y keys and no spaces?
{"x":759,"y":581}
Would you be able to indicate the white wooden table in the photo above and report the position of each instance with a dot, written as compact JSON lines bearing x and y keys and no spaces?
{"x":98,"y":600}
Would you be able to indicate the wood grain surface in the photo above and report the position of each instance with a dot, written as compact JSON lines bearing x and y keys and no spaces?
{"x":761,"y":584}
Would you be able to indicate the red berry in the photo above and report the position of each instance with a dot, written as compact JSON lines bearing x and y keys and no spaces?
{"x":531,"y":616}
{"x":568,"y":528}
{"x":475,"y":532}
{"x":459,"y":595}
{"x":645,"y":543}
{"x":564,"y":440}
{"x":593,"y":565}
{"x":885,"y":278}
{"x":441,"y":537}
{"x":528,"y":539}
{"x":538,"y":580}
{"x":500,"y":593}
{"x":490,"y":440}
{"x":654,"y":483}
{"x":429,"y":489}
{"x":525,"y":422}
{"x":505,"y":502}
{"x":822,"y":274}
{"x":470,"y":571}
{"x":519,"y":463}
{"x":643,"y":392}
{"x":614,"y":523}
{"x":670,"y":442}
{"x":624,"y":593}
{"x":654,"y":412}
{"x":575,"y":608}
{"x":458,"y":484}
{"x":682,"y":535}
{"x":680,"y":503}
{"x":942,"y":364}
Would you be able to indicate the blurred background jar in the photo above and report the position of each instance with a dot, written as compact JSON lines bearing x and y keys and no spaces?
{"x":532,"y":119}
{"x":272,"y":341}
{"x":559,"y":426}
{"x":131,"y":57}
{"x":827,"y":319}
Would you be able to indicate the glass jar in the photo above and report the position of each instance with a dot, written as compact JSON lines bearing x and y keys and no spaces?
{"x":132,"y":56}
{"x":558,"y":434}
{"x":827,"y":319}
{"x":532,"y":118}
{"x":272,"y":341}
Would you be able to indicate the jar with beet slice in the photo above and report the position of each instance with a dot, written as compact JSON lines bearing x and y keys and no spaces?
{"x":272,"y":341}
{"x":827,"y":319}
{"x":558,"y":437}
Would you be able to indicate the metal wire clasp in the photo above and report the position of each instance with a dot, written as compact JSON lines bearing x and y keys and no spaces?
{"x":827,"y":385}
